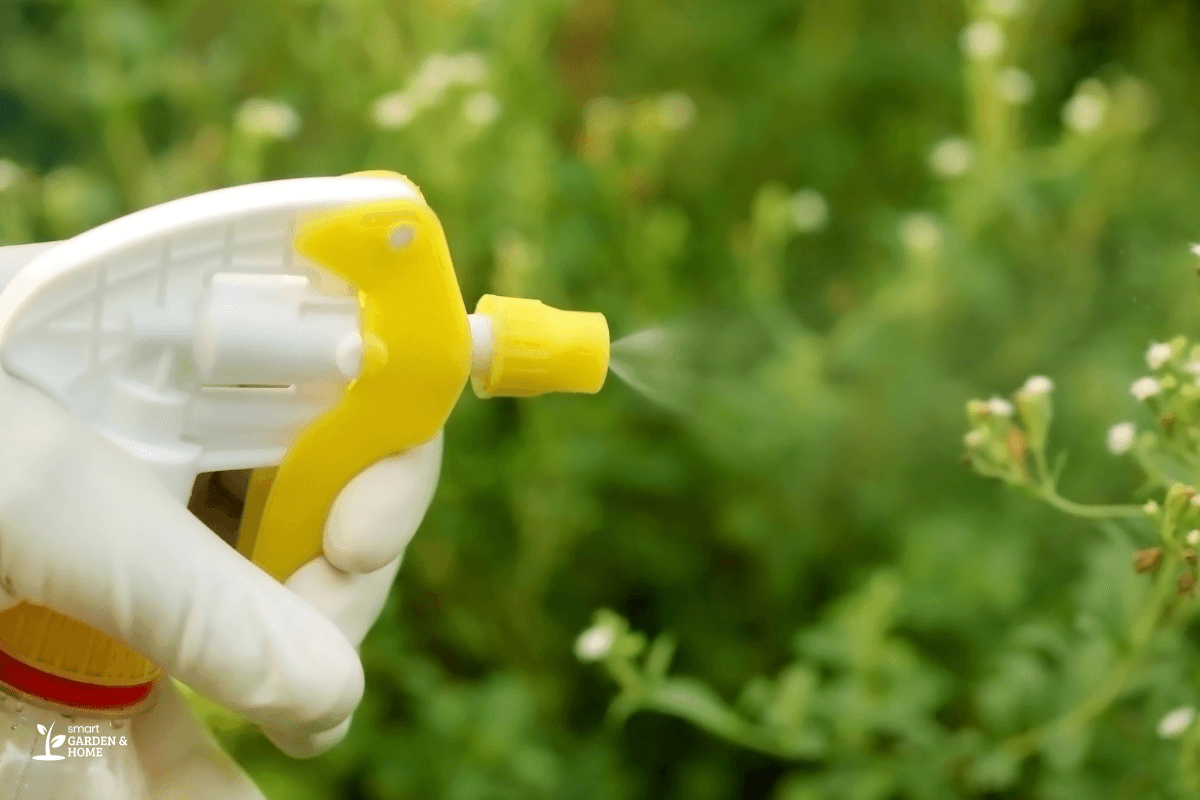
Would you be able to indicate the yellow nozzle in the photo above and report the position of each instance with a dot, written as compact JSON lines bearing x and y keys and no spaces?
{"x":537,"y":349}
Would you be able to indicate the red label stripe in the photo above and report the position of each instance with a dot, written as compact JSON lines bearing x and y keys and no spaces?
{"x":65,"y":691}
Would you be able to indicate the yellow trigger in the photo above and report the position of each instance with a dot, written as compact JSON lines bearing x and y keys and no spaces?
{"x":416,"y":361}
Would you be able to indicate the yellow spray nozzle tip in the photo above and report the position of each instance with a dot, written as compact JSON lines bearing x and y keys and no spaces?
{"x":537,"y":349}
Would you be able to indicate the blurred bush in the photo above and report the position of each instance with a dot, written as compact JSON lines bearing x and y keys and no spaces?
{"x":887,"y":207}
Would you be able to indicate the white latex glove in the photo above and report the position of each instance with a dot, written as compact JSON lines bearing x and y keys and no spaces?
{"x":87,"y":530}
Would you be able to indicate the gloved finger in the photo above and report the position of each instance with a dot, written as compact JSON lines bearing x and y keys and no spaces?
{"x":89,"y":531}
{"x":353,"y":602}
{"x":180,"y":757}
{"x":376,"y":514}
{"x":302,"y":745}
{"x":373,"y":519}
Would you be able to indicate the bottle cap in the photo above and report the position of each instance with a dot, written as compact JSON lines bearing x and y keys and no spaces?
{"x":538,"y":349}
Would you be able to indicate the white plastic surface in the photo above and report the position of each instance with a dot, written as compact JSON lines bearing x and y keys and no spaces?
{"x":14,"y":257}
{"x":137,"y":327}
{"x":483,"y":343}
{"x":274,"y":330}
{"x":42,"y":756}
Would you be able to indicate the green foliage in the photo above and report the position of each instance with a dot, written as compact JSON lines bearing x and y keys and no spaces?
{"x":872,"y":226}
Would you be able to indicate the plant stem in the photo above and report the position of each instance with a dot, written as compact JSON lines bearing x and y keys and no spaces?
{"x":1048,"y":494}
{"x":640,"y":694}
{"x":1110,"y":688}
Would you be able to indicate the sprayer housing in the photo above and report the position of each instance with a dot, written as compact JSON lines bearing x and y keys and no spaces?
{"x":304,"y":329}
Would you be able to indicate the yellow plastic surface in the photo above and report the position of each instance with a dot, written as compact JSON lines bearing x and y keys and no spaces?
{"x":539,"y":349}
{"x":416,"y":361}
{"x":61,"y":646}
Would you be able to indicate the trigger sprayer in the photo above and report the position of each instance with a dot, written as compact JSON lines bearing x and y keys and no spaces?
{"x":303,"y":329}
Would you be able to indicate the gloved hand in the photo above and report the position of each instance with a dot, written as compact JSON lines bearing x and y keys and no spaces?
{"x":87,"y":530}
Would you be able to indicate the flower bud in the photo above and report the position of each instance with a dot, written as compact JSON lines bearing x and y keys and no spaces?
{"x":1158,"y":354}
{"x":1033,"y":404}
{"x":1145,"y":388}
{"x":1120,"y":438}
{"x":1147,"y":560}
{"x":1186,"y":584}
{"x":977,"y":413}
{"x":1017,"y":451}
{"x":999,"y":407}
{"x":1178,"y":496}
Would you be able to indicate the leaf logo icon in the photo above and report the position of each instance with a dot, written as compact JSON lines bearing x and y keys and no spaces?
{"x":55,"y":742}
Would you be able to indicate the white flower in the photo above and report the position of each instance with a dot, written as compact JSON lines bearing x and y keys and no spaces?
{"x":9,"y":173}
{"x":394,"y":110}
{"x":951,"y":157}
{"x":1176,"y":722}
{"x":1193,"y":537}
{"x":270,"y":119}
{"x":470,"y":68}
{"x":676,"y":110}
{"x":594,"y":643}
{"x":1151,"y":508}
{"x":481,"y":109}
{"x":1004,"y":8}
{"x":1157,"y":354}
{"x":436,"y":72}
{"x":1014,"y":86}
{"x":921,"y":234}
{"x":1000,"y":407}
{"x":1195,"y":249}
{"x":982,"y":40}
{"x":809,"y":210}
{"x":1038,"y":384}
{"x":1145,"y":388}
{"x":1084,"y":113}
{"x":427,"y":86}
{"x":1120,"y":438}
{"x":974,"y":439}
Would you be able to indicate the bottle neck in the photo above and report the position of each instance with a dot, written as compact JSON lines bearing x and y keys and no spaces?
{"x":53,"y":661}
{"x":38,"y":687}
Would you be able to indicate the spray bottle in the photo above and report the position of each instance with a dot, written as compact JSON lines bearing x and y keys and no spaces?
{"x":304,"y":329}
